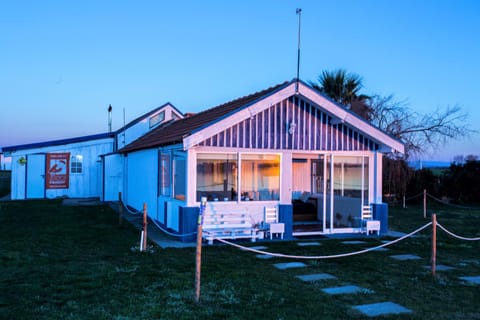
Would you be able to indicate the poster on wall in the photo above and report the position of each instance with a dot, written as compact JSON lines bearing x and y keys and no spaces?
{"x":57,"y":170}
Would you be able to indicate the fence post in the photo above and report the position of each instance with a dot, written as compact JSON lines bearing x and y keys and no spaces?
{"x":198,"y":256}
{"x":120,"y":209}
{"x":425,"y":203}
{"x":404,"y":206}
{"x":434,"y":243}
{"x":144,"y":239}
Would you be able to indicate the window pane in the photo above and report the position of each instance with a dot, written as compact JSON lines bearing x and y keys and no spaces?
{"x":260,"y":177}
{"x":164,"y":175}
{"x":76,"y":164}
{"x":217,"y":177}
{"x":179,"y":175}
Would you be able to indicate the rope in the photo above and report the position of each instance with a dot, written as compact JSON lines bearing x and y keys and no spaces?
{"x":173,"y":234}
{"x":281,"y":255}
{"x":446,"y":203}
{"x":158,"y":226}
{"x":413,"y":197}
{"x":455,"y":235}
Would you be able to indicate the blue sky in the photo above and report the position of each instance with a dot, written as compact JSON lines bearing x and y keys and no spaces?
{"x":63,"y":62}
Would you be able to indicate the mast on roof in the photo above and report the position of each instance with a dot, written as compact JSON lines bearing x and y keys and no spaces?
{"x":299,"y":13}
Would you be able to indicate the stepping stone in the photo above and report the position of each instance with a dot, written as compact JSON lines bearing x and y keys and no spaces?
{"x":440,"y":267}
{"x":316,"y":277}
{"x":307,"y":244}
{"x":289,"y":265}
{"x":353,"y":242}
{"x":381,"y":308}
{"x":257,"y":248}
{"x":381,"y":249}
{"x":474,"y":280}
{"x":343,"y":290}
{"x":264,"y":256}
{"x":405,"y":257}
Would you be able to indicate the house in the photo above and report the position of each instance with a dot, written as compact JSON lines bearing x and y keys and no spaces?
{"x":287,"y":147}
{"x":75,"y":167}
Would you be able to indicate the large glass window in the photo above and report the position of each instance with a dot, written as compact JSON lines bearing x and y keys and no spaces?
{"x":217,"y":177}
{"x":350,"y":189}
{"x":260,"y":179}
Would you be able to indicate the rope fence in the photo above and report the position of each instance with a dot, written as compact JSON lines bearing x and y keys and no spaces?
{"x":136,"y":212}
{"x":457,"y":236}
{"x":342,"y":255}
{"x":425,"y":194}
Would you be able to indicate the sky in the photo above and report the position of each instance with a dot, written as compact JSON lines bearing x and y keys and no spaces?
{"x":63,"y":62}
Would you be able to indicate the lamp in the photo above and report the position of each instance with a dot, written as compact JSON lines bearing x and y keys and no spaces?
{"x":291,"y":127}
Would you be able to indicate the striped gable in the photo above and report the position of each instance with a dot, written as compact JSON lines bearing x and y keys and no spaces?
{"x":292,"y":124}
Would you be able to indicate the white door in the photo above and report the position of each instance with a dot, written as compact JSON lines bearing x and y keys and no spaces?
{"x":35,"y":183}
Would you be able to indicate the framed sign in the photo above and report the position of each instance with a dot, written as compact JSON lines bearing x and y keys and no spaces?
{"x":57,"y":173}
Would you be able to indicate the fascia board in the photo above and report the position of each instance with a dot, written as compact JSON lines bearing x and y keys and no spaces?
{"x":239,"y":116}
{"x":347,"y":117}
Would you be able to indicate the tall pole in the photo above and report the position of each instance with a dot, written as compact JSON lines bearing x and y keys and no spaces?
{"x":299,"y":13}
{"x":198,"y":255}
{"x":109,"y":118}
{"x":434,"y":243}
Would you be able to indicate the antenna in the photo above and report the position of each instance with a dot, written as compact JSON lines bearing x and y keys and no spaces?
{"x":109,"y":118}
{"x":299,"y":13}
{"x":123,"y":126}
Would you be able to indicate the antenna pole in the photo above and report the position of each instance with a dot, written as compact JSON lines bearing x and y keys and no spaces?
{"x":299,"y":13}
{"x":109,"y":118}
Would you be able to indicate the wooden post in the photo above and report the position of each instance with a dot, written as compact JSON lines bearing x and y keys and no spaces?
{"x":144,"y":227}
{"x":120,"y":209}
{"x":198,"y":257}
{"x":434,"y":243}
{"x":425,"y":203}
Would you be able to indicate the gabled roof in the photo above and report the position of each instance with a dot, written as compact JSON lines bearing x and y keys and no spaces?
{"x":148,"y":114}
{"x":192,"y":130}
{"x":174,"y":132}
{"x":57,"y":142}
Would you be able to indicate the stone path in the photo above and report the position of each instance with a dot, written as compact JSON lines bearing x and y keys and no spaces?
{"x":369,"y":310}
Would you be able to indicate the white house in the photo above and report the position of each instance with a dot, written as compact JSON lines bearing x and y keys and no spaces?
{"x":76,"y":167}
{"x":287,"y":146}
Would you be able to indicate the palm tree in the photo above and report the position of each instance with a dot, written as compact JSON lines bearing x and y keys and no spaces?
{"x":343,"y":87}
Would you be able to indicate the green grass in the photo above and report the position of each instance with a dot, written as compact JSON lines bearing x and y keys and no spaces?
{"x":5,"y":177}
{"x":61,"y":262}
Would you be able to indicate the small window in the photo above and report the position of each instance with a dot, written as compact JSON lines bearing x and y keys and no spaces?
{"x":156,"y":119}
{"x":76,"y":164}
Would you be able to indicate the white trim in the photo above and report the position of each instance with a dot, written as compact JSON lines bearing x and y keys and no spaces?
{"x":346,"y":117}
{"x":237,"y":117}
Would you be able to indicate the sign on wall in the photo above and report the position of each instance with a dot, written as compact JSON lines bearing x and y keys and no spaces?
{"x":57,"y":170}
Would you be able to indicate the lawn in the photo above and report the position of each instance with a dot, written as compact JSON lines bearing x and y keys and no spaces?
{"x":62,"y":262}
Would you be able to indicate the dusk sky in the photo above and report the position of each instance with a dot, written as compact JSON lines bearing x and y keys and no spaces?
{"x":63,"y":62}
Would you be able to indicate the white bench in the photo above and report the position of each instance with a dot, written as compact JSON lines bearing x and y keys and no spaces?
{"x":227,"y":226}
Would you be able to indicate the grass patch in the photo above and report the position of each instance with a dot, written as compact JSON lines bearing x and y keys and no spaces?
{"x":76,"y":263}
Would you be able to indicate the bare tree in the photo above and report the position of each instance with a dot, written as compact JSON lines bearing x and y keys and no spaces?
{"x":420,"y":132}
